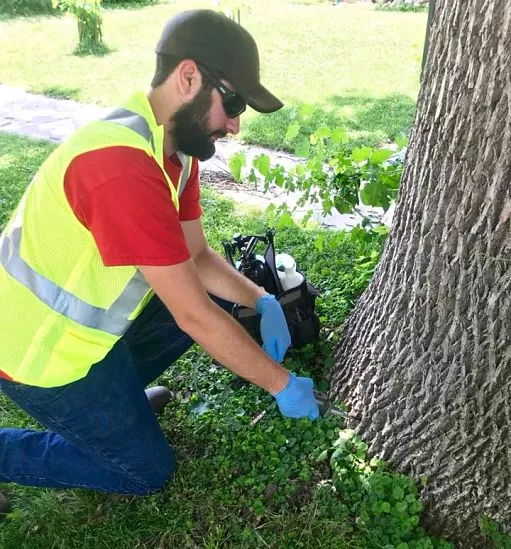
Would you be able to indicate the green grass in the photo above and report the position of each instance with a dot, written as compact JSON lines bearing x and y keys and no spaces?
{"x":19,"y":160}
{"x":357,"y":65}
{"x":237,"y":485}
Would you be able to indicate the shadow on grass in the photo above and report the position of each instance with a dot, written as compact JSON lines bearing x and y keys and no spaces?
{"x":129,"y":4}
{"x":60,"y":92}
{"x":99,"y":50}
{"x":392,"y":114}
{"x":27,"y":14}
{"x":12,"y":9}
{"x":368,"y":119}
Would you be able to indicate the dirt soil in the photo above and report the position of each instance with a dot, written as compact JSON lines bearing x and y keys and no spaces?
{"x":222,"y":181}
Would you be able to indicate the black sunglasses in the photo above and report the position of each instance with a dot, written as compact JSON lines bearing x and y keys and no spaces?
{"x":233,"y":103}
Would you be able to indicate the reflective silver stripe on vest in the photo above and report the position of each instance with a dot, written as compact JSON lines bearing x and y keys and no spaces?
{"x":133,"y":121}
{"x":186,"y":162}
{"x":113,"y":320}
{"x":137,"y":123}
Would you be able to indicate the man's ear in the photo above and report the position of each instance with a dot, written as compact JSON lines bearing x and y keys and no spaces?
{"x":189,"y":79}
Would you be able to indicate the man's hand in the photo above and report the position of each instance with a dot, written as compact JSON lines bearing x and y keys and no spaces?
{"x":274,"y":330}
{"x":297,"y":398}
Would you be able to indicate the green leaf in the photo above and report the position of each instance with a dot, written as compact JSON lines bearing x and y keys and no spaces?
{"x":360,"y":154}
{"x":306,"y":217}
{"x":379,"y":156}
{"x":342,"y":205}
{"x":401,"y":506}
{"x":236,"y":162}
{"x":401,"y":141}
{"x":307,"y":110}
{"x":292,"y":131}
{"x":252,"y":178}
{"x":285,"y":220}
{"x":339,"y":136}
{"x":319,"y":242}
{"x":262,"y":163}
{"x":322,"y":132}
{"x":322,"y":385}
{"x":200,"y":408}
{"x":375,"y":194}
{"x":380,"y":229}
{"x":322,"y":456}
{"x":299,"y":170}
{"x":339,"y":452}
{"x":302,"y":148}
{"x":398,"y":493}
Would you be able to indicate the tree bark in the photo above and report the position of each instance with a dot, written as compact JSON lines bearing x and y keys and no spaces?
{"x":425,"y":359}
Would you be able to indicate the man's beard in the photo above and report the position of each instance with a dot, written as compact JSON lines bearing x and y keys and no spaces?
{"x":189,"y":132}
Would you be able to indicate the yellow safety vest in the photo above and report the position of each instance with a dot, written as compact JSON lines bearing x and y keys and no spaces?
{"x":61,"y":309}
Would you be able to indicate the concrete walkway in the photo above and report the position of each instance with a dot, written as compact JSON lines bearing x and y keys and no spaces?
{"x":41,"y":117}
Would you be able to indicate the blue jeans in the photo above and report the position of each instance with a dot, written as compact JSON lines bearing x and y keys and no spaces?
{"x":101,"y":432}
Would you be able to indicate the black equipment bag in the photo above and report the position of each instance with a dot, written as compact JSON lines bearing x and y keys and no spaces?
{"x":297,"y":303}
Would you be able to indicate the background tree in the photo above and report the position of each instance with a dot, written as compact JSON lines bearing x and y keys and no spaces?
{"x":425,"y":360}
{"x":88,"y":17}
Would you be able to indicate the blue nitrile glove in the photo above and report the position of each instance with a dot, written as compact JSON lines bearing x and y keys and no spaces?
{"x":297,"y":398}
{"x":274,"y":330}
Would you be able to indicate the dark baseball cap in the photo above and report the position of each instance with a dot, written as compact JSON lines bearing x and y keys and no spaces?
{"x":220,"y":44}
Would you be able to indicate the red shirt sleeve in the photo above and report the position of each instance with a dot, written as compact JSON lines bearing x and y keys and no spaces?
{"x":121,"y":196}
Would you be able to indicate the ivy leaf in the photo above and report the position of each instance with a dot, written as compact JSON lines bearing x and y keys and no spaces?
{"x":385,"y":507}
{"x":262,"y":163}
{"x":379,"y":156}
{"x":398,"y":493}
{"x":200,"y":408}
{"x":292,"y":131}
{"x":236,"y":162}
{"x":360,"y":154}
{"x":338,"y":452}
{"x":375,"y":194}
{"x":322,"y":456}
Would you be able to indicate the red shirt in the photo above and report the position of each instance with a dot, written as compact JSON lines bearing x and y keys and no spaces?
{"x":120,"y":195}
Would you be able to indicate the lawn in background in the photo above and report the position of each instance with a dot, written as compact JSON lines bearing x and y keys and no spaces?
{"x":358,"y":66}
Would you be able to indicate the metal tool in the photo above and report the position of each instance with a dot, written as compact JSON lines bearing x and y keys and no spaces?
{"x":326,"y":408}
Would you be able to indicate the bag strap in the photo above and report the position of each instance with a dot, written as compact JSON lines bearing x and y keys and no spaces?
{"x":269,"y":257}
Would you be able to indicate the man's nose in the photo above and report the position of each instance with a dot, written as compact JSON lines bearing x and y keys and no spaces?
{"x":233,"y":126}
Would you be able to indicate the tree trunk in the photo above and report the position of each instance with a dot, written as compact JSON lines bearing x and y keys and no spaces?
{"x":425,"y":359}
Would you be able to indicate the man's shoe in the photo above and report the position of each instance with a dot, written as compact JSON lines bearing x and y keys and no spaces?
{"x":158,"y":397}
